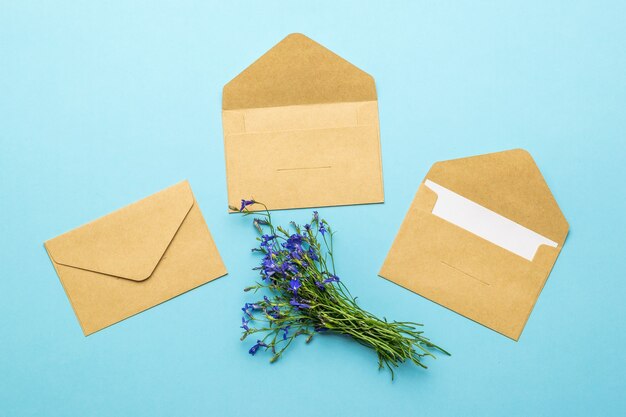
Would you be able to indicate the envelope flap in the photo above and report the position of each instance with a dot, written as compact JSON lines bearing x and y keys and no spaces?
{"x":130,"y":242}
{"x":298,"y":71}
{"x":508,"y":183}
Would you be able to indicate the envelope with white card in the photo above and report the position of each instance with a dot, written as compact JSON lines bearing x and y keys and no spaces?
{"x":480,"y":238}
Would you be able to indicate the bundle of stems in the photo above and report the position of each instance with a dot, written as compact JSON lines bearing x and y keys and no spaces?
{"x":303,"y":296}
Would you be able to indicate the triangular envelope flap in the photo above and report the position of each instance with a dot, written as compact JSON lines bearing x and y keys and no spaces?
{"x":130,"y":242}
{"x":294,"y":72}
{"x":508,"y":183}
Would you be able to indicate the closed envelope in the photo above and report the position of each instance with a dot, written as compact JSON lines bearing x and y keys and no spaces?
{"x":135,"y":258}
{"x":480,"y":238}
{"x":301,"y":130}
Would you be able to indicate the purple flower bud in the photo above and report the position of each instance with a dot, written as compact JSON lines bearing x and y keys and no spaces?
{"x":246,"y":203}
{"x":285,"y":332}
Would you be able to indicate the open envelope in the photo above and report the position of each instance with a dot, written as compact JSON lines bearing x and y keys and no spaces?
{"x":480,"y":238}
{"x":301,"y":130}
{"x":135,"y":258}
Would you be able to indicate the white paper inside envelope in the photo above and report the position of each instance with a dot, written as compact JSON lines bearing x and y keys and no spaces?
{"x":486,"y":224}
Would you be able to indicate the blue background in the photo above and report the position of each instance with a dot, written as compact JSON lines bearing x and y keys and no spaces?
{"x":103,"y":104}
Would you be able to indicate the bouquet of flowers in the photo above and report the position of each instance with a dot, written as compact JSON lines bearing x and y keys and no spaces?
{"x":304,"y":297}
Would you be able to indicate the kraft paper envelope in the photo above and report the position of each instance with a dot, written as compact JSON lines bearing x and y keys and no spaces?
{"x":301,"y":130}
{"x":480,"y":238}
{"x":135,"y":258}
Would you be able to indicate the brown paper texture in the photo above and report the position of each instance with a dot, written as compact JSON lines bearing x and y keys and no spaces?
{"x":301,"y":130}
{"x":464,"y":272}
{"x":135,"y":258}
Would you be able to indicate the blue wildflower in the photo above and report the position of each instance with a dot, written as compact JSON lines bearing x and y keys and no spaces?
{"x":312,"y":254}
{"x":248,"y":307}
{"x":295,"y":255}
{"x":288,"y":268}
{"x":256,"y":347}
{"x":294,"y":246}
{"x":316,"y":217}
{"x":245,"y":309}
{"x":322,"y":229}
{"x":307,"y":227}
{"x":297,"y":304}
{"x":246,"y":203}
{"x":331,"y":278}
{"x":244,"y":324}
{"x":294,"y":243}
{"x":294,"y":284}
{"x":266,"y":239}
{"x":269,"y":266}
